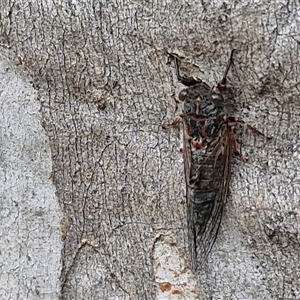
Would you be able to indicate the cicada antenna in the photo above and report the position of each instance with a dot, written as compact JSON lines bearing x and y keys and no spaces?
{"x":222,"y":84}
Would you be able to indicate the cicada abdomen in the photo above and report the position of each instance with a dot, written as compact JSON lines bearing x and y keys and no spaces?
{"x":209,"y":141}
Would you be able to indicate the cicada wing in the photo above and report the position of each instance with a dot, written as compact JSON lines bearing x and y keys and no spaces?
{"x":207,"y":196}
{"x":187,"y":157}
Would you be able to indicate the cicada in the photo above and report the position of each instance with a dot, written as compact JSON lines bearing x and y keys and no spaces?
{"x":210,"y":139}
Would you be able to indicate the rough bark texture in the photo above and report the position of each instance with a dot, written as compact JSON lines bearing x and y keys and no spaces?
{"x":104,"y":90}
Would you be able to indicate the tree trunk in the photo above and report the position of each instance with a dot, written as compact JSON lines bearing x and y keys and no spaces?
{"x":113,"y":223}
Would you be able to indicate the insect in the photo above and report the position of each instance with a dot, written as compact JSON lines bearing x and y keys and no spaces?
{"x":209,"y":141}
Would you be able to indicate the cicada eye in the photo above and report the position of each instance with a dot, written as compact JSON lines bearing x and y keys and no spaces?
{"x":183,"y":95}
{"x":217,"y":99}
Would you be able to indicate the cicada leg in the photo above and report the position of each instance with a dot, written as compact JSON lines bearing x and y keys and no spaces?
{"x":234,"y":140}
{"x":177,"y":120}
{"x":248,"y":126}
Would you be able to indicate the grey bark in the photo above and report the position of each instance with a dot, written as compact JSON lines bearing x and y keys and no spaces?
{"x":104,"y":89}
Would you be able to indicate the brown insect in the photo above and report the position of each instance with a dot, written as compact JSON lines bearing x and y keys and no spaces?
{"x":209,"y":141}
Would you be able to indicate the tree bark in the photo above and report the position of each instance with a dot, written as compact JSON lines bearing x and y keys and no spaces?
{"x":118,"y":215}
